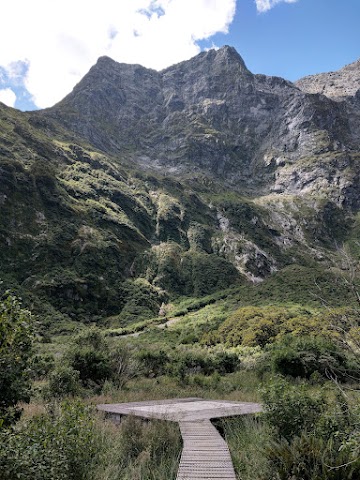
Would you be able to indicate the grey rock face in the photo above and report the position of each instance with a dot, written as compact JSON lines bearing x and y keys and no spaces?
{"x":209,"y":115}
{"x":336,"y":85}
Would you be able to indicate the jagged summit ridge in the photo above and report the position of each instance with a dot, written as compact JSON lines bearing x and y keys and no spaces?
{"x":336,"y":85}
{"x":211,"y":116}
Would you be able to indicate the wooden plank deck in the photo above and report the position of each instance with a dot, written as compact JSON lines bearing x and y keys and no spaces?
{"x":205,"y":454}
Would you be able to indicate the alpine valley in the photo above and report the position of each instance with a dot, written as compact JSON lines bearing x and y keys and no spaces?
{"x":143,"y":187}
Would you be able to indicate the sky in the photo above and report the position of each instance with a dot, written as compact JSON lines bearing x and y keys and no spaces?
{"x":47,"y":46}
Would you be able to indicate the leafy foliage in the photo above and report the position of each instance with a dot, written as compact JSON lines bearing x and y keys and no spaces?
{"x":312,"y":437}
{"x":16,"y":338}
{"x":290,"y":409}
{"x":89,"y":356}
{"x":64,"y":381}
{"x":305,"y":356}
{"x":61,"y":445}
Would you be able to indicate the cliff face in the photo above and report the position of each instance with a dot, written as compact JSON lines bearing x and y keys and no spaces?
{"x":210,"y":116}
{"x":336,"y":85}
{"x":143,"y":185}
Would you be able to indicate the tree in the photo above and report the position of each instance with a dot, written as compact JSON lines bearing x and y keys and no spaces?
{"x":16,"y":338}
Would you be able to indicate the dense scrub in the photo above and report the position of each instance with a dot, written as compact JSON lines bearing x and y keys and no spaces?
{"x":69,"y":442}
{"x":298,"y":361}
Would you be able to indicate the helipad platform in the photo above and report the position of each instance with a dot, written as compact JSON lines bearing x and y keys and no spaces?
{"x":205,"y":455}
{"x":182,"y":409}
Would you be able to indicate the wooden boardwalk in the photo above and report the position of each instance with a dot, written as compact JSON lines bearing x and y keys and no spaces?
{"x":205,"y":453}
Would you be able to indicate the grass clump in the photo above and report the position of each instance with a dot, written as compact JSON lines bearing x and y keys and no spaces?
{"x":141,"y":451}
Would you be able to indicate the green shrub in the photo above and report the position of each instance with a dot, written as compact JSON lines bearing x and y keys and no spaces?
{"x":16,"y":337}
{"x":195,"y":362}
{"x":58,"y":446}
{"x":251,"y":326}
{"x":41,"y":365}
{"x":90,"y":356}
{"x":153,"y":363}
{"x":64,"y":381}
{"x":94,"y":366}
{"x":313,"y":434}
{"x":305,"y":356}
{"x":291,"y":409}
{"x":226,"y":362}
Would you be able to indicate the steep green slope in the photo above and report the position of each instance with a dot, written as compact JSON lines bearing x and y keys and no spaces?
{"x":191,"y":182}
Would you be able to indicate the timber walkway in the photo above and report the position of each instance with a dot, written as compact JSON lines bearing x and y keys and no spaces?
{"x":205,"y":454}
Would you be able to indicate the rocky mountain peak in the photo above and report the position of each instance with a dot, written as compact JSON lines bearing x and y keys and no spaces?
{"x":210,"y":114}
{"x":336,"y":85}
{"x":227,"y":56}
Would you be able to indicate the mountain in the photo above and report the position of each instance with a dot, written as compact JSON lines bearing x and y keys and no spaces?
{"x":336,"y":85}
{"x":209,"y":116}
{"x":141,"y":186}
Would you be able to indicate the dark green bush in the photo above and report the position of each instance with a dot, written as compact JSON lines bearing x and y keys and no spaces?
{"x":63,"y":381}
{"x":225,"y":362}
{"x":291,"y":409}
{"x":90,"y":356}
{"x":198,"y":362}
{"x":58,"y":446}
{"x":315,"y":436}
{"x":41,"y":365}
{"x":153,"y":363}
{"x":305,"y":356}
{"x":94,"y":366}
{"x":16,"y":337}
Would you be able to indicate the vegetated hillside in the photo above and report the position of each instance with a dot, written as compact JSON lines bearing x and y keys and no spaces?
{"x":141,"y":186}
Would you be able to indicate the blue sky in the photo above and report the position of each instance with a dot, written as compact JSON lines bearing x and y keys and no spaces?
{"x":298,"y":39}
{"x":51,"y":45}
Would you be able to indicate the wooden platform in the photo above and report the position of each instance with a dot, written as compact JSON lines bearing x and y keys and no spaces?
{"x":205,"y":454}
{"x":181,"y":409}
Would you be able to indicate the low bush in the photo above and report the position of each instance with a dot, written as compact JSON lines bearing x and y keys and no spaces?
{"x":89,"y":355}
{"x":58,"y":446}
{"x":63,"y":382}
{"x":305,"y":356}
{"x":291,"y":409}
{"x":153,"y":363}
{"x":41,"y":365}
{"x":313,"y":434}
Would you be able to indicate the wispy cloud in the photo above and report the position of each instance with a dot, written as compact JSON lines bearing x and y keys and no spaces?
{"x":265,"y":5}
{"x":58,"y":41}
{"x":8,"y":97}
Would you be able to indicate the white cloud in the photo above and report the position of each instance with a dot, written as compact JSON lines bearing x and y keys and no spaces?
{"x":8,"y":97}
{"x":59,"y":40}
{"x":265,"y":5}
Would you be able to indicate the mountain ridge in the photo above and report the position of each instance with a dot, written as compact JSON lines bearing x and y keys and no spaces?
{"x":141,"y":186}
{"x":211,"y":98}
{"x":336,"y":85}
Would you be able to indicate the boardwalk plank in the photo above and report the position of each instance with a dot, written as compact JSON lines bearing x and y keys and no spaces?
{"x":205,"y":454}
